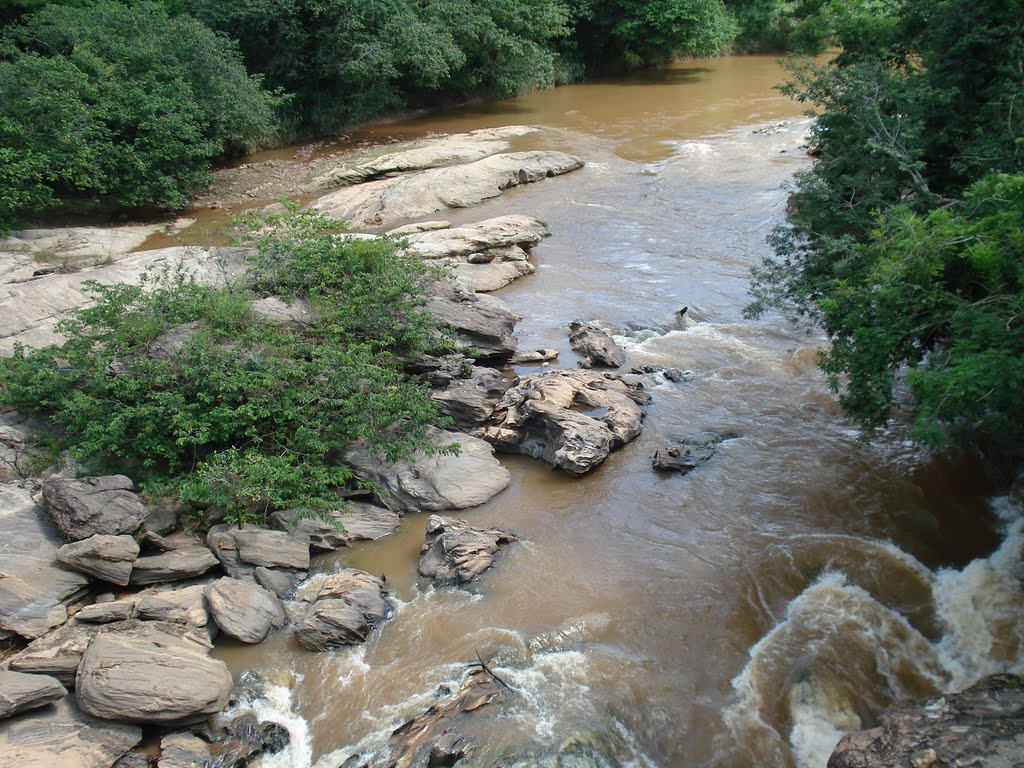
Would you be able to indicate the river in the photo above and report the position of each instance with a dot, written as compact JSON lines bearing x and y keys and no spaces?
{"x":742,"y":615}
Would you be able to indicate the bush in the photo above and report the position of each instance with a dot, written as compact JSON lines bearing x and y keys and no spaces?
{"x":119,"y":105}
{"x":180,"y":385}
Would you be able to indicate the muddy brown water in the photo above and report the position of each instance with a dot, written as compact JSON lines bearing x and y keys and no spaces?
{"x":745,"y":614}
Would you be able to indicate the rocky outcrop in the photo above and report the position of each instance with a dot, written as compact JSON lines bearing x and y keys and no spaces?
{"x":20,"y":692}
{"x":175,"y":565}
{"x":61,"y":736}
{"x":469,"y":394}
{"x":455,"y":552}
{"x":145,"y":675}
{"x":486,"y":256}
{"x":376,"y":203}
{"x":359,"y":521}
{"x":482,"y":323}
{"x":93,"y":505}
{"x":244,"y":610}
{"x":438,"y":482}
{"x":570,"y":419}
{"x":183,"y":750}
{"x":107,"y":558}
{"x":348,"y":606}
{"x":982,"y":726}
{"x":33,"y":587}
{"x":242,"y":551}
{"x":594,"y":346}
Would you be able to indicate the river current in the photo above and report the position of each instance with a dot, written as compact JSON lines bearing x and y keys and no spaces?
{"x":746,"y":614}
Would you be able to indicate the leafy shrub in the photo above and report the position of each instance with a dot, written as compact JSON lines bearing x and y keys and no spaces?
{"x":181,"y":385}
{"x":119,"y":105}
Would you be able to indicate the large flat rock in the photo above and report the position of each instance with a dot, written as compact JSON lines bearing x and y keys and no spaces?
{"x":20,"y":692}
{"x":439,"y":482}
{"x":33,"y":585}
{"x":377,"y":203}
{"x":62,"y":736}
{"x":340,"y":528}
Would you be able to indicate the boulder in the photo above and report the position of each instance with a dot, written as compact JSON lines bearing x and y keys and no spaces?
{"x":359,"y":521}
{"x":62,"y":736}
{"x":241,"y":551}
{"x":570,"y":419}
{"x":281,"y":582}
{"x":178,"y":605}
{"x":455,"y":552}
{"x":104,"y":613}
{"x":982,"y":726}
{"x":246,"y":737}
{"x":484,"y":324}
{"x":93,"y":505}
{"x":376,"y":203}
{"x":20,"y":692}
{"x":176,"y":565}
{"x":33,"y":587}
{"x":183,"y":750}
{"x":146,"y":675}
{"x":60,"y":652}
{"x":107,"y":558}
{"x":438,"y":482}
{"x":132,"y":760}
{"x":470,"y":399}
{"x":535,"y":356}
{"x":348,"y":606}
{"x":687,"y":454}
{"x":594,"y":346}
{"x":243,"y":610}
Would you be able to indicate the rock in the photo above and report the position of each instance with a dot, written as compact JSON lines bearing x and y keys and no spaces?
{"x":439,"y":482}
{"x":244,"y":611}
{"x":348,"y":606}
{"x":108,"y":558}
{"x":456,"y":553}
{"x":30,"y":310}
{"x":982,"y":726}
{"x":280,"y":582}
{"x":404,"y":197}
{"x":297,"y":314}
{"x":178,"y":605}
{"x":93,"y":505}
{"x":358,"y":522}
{"x":161,"y":518}
{"x":580,"y":751}
{"x":183,"y":750}
{"x":570,"y":419}
{"x":154,"y":541}
{"x":595,"y":346}
{"x":132,"y":760}
{"x":242,"y":742}
{"x":33,"y":587}
{"x":470,"y":400}
{"x":20,"y":692}
{"x":485,"y":325}
{"x":176,"y":565}
{"x":536,"y":356}
{"x":61,"y":736}
{"x":449,"y":748}
{"x":275,"y":737}
{"x":689,"y":454}
{"x":146,"y":675}
{"x":60,"y":652}
{"x":104,"y":613}
{"x":241,"y":551}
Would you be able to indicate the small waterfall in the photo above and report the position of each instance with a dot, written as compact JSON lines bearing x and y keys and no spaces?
{"x":840,"y":655}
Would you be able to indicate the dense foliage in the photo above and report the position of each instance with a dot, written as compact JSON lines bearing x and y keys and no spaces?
{"x":905,"y":239}
{"x":119,"y":105}
{"x":184,"y":387}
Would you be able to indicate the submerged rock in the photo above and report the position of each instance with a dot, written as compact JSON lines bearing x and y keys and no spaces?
{"x":107,"y":558}
{"x":438,"y":482}
{"x":570,"y":419}
{"x":93,"y":505}
{"x":982,"y":726}
{"x":687,"y":454}
{"x":33,"y":586}
{"x":416,"y":194}
{"x":595,"y":346}
{"x":145,"y":675}
{"x":455,"y":552}
{"x":20,"y":692}
{"x":347,"y":608}
{"x":62,"y":736}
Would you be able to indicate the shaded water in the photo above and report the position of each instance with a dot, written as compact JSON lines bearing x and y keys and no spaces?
{"x":742,"y":615}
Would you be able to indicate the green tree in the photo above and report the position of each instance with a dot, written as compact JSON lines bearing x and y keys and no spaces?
{"x":119,"y":105}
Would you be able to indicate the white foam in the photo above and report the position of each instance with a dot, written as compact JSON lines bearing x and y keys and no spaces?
{"x":275,"y":704}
